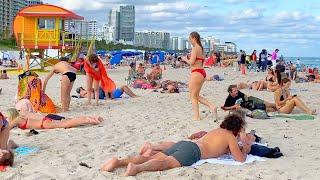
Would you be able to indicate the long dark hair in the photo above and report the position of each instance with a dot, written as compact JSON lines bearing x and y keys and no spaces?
{"x":196,"y":35}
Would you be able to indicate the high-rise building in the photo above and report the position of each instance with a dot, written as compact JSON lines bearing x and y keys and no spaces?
{"x":18,"y":5}
{"x":152,"y":39}
{"x":83,"y":29}
{"x":113,"y":28}
{"x":211,"y":42}
{"x":6,"y":17}
{"x":231,"y":47}
{"x":127,"y":23}
{"x":182,"y":43}
{"x":8,"y":11}
{"x":174,"y":43}
{"x":34,"y":2}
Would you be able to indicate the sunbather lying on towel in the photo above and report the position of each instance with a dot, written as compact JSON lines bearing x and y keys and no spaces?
{"x":237,"y":100}
{"x":117,"y":93}
{"x":27,"y":120}
{"x":258,"y":150}
{"x":184,"y":153}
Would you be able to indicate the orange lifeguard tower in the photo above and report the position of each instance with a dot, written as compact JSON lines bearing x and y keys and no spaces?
{"x":40,"y":27}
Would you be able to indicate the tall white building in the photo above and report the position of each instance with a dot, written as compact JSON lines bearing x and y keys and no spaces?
{"x":211,"y":42}
{"x":160,"y":40}
{"x":113,"y":28}
{"x":174,"y":43}
{"x":231,"y":47}
{"x":182,"y":43}
{"x":82,"y":28}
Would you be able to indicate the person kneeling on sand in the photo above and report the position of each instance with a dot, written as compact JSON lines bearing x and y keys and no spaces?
{"x":286,"y":103}
{"x":117,"y":93}
{"x":185,"y":153}
{"x":237,"y":100}
{"x":27,"y":120}
{"x":6,"y":154}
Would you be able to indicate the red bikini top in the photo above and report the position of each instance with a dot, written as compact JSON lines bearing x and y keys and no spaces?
{"x":200,"y":59}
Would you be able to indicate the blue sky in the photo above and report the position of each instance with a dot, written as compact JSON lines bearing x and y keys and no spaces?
{"x":290,"y":25}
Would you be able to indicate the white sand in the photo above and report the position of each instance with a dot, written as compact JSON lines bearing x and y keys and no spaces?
{"x":156,"y":117}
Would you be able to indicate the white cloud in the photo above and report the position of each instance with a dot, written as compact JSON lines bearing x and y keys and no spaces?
{"x":246,"y":14}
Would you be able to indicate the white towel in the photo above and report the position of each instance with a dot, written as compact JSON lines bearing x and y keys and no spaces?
{"x":228,"y":160}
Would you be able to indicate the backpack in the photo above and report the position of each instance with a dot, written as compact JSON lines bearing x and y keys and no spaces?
{"x":259,"y":114}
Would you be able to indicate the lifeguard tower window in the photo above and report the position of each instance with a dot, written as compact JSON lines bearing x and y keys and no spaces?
{"x":44,"y":23}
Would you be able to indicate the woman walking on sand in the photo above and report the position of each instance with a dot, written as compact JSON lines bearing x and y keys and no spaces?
{"x":198,"y":76}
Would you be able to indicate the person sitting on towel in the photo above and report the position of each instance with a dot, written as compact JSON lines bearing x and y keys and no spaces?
{"x":185,"y":153}
{"x":237,"y":99}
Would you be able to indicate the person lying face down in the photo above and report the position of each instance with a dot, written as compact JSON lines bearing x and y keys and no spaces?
{"x":6,"y":154}
{"x":185,"y":153}
{"x":28,"y":120}
{"x":117,"y":93}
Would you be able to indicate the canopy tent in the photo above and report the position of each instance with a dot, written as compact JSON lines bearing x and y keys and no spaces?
{"x":116,"y":59}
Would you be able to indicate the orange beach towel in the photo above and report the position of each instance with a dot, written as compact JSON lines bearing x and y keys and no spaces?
{"x":106,"y":83}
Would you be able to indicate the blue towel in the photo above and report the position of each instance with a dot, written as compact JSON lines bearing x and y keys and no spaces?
{"x":23,"y":150}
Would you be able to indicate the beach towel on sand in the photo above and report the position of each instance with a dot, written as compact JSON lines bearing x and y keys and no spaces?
{"x":299,"y":117}
{"x":228,"y":160}
{"x":106,"y":83}
{"x":24,"y":150}
{"x":30,"y":87}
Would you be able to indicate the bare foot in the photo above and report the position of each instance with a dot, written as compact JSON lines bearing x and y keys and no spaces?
{"x":145,"y":147}
{"x":314,"y":112}
{"x":147,"y":153}
{"x":131,"y":170}
{"x":110,"y":165}
{"x":196,"y":118}
{"x":214,"y":109}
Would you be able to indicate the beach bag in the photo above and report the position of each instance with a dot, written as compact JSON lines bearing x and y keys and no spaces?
{"x":259,"y":114}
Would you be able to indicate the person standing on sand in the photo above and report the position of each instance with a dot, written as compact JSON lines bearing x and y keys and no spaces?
{"x":198,"y":76}
{"x":67,"y":80}
{"x":215,"y":143}
{"x":97,"y":76}
{"x":274,"y":57}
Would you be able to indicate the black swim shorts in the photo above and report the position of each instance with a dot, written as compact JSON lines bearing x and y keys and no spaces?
{"x":185,"y":152}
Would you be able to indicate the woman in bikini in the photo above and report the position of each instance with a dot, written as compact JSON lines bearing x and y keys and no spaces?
{"x":198,"y":76}
{"x":286,"y":103}
{"x":27,"y":120}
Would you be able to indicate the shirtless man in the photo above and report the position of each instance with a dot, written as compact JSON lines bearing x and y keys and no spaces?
{"x":184,"y":153}
{"x":67,"y":80}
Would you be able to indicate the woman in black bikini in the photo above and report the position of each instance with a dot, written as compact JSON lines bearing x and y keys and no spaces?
{"x":286,"y":103}
{"x":67,"y":80}
{"x":198,"y":76}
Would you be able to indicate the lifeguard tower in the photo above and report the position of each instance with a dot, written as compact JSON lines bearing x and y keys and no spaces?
{"x":40,"y":27}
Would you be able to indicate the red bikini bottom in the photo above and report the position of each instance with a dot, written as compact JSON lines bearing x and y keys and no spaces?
{"x":201,"y":71}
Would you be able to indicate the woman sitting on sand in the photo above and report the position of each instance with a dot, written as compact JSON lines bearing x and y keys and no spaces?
{"x":6,"y":155}
{"x":286,"y":103}
{"x":270,"y":82}
{"x":27,"y":120}
{"x":3,"y":74}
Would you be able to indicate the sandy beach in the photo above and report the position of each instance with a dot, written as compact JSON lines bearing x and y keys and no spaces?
{"x":154,"y":117}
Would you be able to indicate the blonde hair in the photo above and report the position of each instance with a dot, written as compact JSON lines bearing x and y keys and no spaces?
{"x":12,"y":114}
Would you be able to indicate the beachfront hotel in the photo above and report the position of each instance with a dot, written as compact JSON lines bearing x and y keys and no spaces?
{"x":121,"y":25}
{"x":152,"y":39}
{"x":8,"y":10}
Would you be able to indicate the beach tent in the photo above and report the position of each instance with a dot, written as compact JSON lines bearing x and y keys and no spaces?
{"x":155,"y":59}
{"x":102,"y":53}
{"x":116,"y":59}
